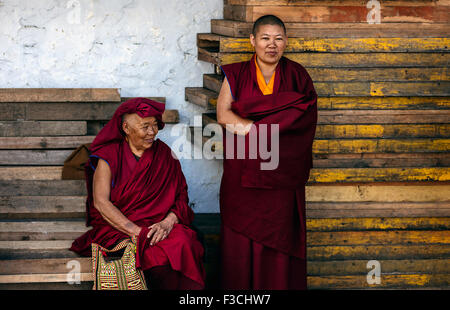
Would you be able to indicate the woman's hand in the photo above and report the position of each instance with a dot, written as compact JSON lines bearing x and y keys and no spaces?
{"x":160,"y":231}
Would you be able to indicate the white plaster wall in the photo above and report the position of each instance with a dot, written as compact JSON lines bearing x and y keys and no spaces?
{"x":142,"y":47}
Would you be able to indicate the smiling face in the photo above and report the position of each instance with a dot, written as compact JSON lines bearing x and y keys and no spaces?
{"x":269,"y":42}
{"x":141,"y":132}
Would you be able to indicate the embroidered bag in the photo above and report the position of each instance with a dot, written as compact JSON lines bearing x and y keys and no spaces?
{"x":120,"y":273}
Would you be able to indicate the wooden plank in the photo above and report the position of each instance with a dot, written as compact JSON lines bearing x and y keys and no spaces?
{"x":377,"y":209}
{"x":200,"y":96}
{"x":353,"y":60}
{"x":381,"y":160}
{"x":387,"y":281}
{"x":37,"y":128}
{"x":346,"y":45}
{"x":36,"y":245}
{"x":378,"y":103}
{"x":240,"y":29}
{"x":43,"y":266}
{"x":347,"y":131}
{"x":38,"y":278}
{"x":34,"y":157}
{"x":293,"y":3}
{"x":378,"y":74}
{"x":358,"y":146}
{"x":382,"y":88}
{"x":83,"y":111}
{"x":42,"y":188}
{"x":59,"y":94}
{"x":42,"y":207}
{"x":403,"y":266}
{"x":380,"y":145}
{"x":42,"y":230}
{"x":378,"y":237}
{"x":384,"y":251}
{"x":68,"y":142}
{"x":30,"y":173}
{"x":383,"y":116}
{"x":376,"y":223}
{"x":333,"y":175}
{"x":378,"y":193}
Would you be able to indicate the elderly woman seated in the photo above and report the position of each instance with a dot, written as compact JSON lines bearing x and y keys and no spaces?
{"x":136,"y":188}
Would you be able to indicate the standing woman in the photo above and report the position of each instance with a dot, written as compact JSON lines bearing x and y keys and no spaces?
{"x":263,"y":230}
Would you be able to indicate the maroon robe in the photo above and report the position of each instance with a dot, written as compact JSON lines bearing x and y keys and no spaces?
{"x":267,"y":207}
{"x":145,"y":191}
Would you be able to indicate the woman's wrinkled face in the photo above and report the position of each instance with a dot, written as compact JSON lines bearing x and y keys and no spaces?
{"x":141,"y":132}
{"x":269,"y":42}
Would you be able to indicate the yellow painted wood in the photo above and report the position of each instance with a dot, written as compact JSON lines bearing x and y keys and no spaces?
{"x":383,"y":103}
{"x":324,"y":175}
{"x":377,"y":103}
{"x":324,"y":131}
{"x":328,"y":60}
{"x":360,"y":281}
{"x":382,"y":88}
{"x":378,"y":74}
{"x":349,"y":267}
{"x":384,"y":251}
{"x":378,"y":237}
{"x":380,"y":193}
{"x":380,"y":145}
{"x":375,"y":223}
{"x":360,"y":45}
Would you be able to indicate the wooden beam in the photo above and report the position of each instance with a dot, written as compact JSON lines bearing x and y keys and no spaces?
{"x":59,"y":94}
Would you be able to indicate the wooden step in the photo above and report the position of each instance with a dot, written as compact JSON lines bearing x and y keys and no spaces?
{"x":317,"y":12}
{"x":359,"y":267}
{"x":68,"y":142}
{"x":17,"y":207}
{"x":333,"y":210}
{"x":43,"y":266}
{"x":348,"y":131}
{"x":382,"y":88}
{"x":378,"y":224}
{"x":345,"y":45}
{"x":42,"y":230}
{"x":34,"y":157}
{"x":384,"y":251}
{"x":381,"y":160}
{"x":42,"y":128}
{"x":342,"y":60}
{"x":317,"y":175}
{"x":241,"y":29}
{"x":400,"y":281}
{"x":338,"y":86}
{"x":340,"y":146}
{"x":67,"y":111}
{"x":334,"y":175}
{"x":387,"y":3}
{"x":378,"y":74}
{"x":59,"y":94}
{"x":403,"y":192}
{"x":42,"y":188}
{"x":339,"y":229}
{"x":36,"y":249}
{"x":200,"y":96}
{"x":378,"y":103}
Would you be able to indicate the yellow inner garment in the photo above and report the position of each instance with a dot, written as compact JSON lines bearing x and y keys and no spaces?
{"x":266,"y":89}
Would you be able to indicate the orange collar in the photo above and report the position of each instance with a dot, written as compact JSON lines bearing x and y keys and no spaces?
{"x":266,"y":89}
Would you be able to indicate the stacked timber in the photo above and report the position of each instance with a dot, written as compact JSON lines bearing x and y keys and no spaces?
{"x":41,"y":214}
{"x":379,"y":189}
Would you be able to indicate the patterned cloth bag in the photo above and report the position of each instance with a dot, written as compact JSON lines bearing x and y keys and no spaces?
{"x":117,"y":273}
